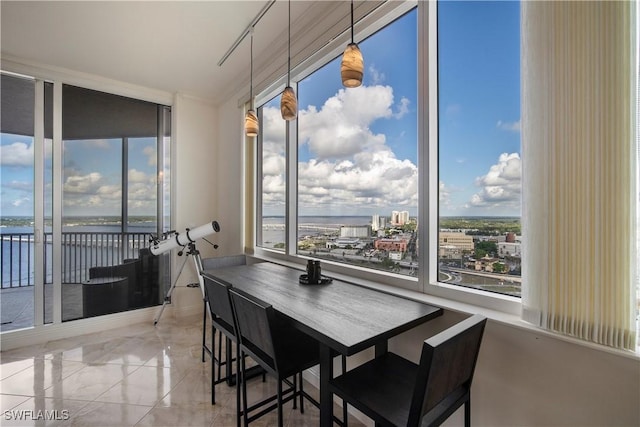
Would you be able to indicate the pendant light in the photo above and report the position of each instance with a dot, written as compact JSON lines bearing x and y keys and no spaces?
{"x":288,"y":101}
{"x":352,"y":67}
{"x":251,"y":125}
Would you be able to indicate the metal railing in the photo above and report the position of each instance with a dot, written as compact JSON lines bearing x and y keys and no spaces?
{"x":80,"y":251}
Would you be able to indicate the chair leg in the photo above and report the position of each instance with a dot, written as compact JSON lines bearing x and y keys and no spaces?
{"x":204,"y":329}
{"x":295,"y":390}
{"x":467,"y":412}
{"x":213,"y":365}
{"x":301,"y":395}
{"x":280,"y":423}
{"x":220,"y":356}
{"x":345,"y":415}
{"x":241,"y":379}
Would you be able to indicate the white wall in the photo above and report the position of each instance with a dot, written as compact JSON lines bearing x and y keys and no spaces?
{"x":195,"y":198}
{"x":524,"y":378}
{"x":230,"y":178}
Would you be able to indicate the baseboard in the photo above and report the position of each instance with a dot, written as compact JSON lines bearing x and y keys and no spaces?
{"x":45,"y":333}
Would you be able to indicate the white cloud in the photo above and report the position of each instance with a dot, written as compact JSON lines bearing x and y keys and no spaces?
{"x":501,"y":186}
{"x":444,"y":194}
{"x":509,"y":126}
{"x":19,"y":185}
{"x":350,"y":165}
{"x":340,"y":129}
{"x":403,"y":108}
{"x":152,"y":156}
{"x":375,"y":76}
{"x":16,"y":154}
{"x":83,"y":184}
{"x":20,"y":202}
{"x":138,"y":176}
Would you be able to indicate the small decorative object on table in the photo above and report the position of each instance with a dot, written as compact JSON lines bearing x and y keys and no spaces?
{"x":314,"y":274}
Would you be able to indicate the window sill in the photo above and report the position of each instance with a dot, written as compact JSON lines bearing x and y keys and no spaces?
{"x":439,"y":297}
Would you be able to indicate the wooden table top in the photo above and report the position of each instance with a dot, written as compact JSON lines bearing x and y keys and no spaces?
{"x":346,"y":317}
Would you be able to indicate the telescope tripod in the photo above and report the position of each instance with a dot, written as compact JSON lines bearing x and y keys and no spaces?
{"x":195,"y":254}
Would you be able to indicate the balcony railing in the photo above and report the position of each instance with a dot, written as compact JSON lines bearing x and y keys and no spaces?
{"x":80,"y":251}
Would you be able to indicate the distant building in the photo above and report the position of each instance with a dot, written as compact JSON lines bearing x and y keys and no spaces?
{"x":509,"y":249}
{"x":375,"y":222}
{"x":344,"y":242}
{"x":378,"y":222}
{"x":399,"y":217}
{"x":391,"y":245}
{"x":486,"y":264}
{"x":453,"y":244}
{"x":395,"y":256}
{"x":355,"y":231}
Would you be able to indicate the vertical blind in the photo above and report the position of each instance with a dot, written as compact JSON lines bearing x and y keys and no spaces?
{"x":580,"y":198}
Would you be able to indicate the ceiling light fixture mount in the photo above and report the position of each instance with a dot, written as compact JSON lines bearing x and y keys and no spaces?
{"x":288,"y":101}
{"x":352,"y":66}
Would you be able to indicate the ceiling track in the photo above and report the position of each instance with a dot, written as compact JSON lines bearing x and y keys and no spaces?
{"x":246,"y":31}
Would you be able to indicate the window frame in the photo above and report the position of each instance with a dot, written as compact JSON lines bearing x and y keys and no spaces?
{"x":427,"y":104}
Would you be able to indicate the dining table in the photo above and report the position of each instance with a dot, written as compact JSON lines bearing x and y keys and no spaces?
{"x":343,"y":317}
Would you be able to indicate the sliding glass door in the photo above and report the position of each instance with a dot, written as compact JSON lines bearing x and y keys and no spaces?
{"x":83,"y":190}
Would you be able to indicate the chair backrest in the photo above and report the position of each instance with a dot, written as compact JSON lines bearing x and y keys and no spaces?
{"x":217,"y":295}
{"x":447,"y":365}
{"x":254,"y":320}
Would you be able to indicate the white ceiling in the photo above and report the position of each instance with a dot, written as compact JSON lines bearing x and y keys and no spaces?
{"x":172,"y":46}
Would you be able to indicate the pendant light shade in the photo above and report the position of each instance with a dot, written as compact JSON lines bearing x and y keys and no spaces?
{"x":251,"y":125}
{"x":288,"y":104}
{"x":288,"y":101}
{"x":352,"y":67}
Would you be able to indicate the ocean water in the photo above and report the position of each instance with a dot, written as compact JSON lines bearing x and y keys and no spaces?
{"x":87,"y":242}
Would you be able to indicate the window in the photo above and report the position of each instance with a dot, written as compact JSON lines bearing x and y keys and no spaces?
{"x":357,"y":170}
{"x":358,"y":154}
{"x":479,"y":166}
{"x":272,"y":177}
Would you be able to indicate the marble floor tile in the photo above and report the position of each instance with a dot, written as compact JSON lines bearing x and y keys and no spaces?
{"x":10,"y":366}
{"x":41,"y":411}
{"x":108,"y":414}
{"x":145,"y":386}
{"x":141,"y":375}
{"x":9,"y":401}
{"x":40,"y":375}
{"x":89,"y":382}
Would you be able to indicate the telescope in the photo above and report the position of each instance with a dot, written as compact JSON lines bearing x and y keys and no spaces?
{"x":180,"y":240}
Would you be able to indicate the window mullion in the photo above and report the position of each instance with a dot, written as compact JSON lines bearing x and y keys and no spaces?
{"x":291,"y":218}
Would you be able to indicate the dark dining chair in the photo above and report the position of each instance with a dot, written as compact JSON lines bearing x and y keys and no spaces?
{"x":283,"y":351}
{"x":393,"y":391}
{"x":219,"y":304}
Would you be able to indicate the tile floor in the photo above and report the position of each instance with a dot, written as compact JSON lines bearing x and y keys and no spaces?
{"x":136,"y":376}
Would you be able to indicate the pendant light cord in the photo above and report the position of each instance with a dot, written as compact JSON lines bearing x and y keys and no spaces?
{"x":289,"y":50}
{"x":251,"y":75}
{"x":352,"y":21}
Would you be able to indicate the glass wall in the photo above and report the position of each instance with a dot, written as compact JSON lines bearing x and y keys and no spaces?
{"x":113,"y":169}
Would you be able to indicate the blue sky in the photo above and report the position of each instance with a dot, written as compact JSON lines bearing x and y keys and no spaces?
{"x":92,"y":181}
{"x":358,"y":147}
